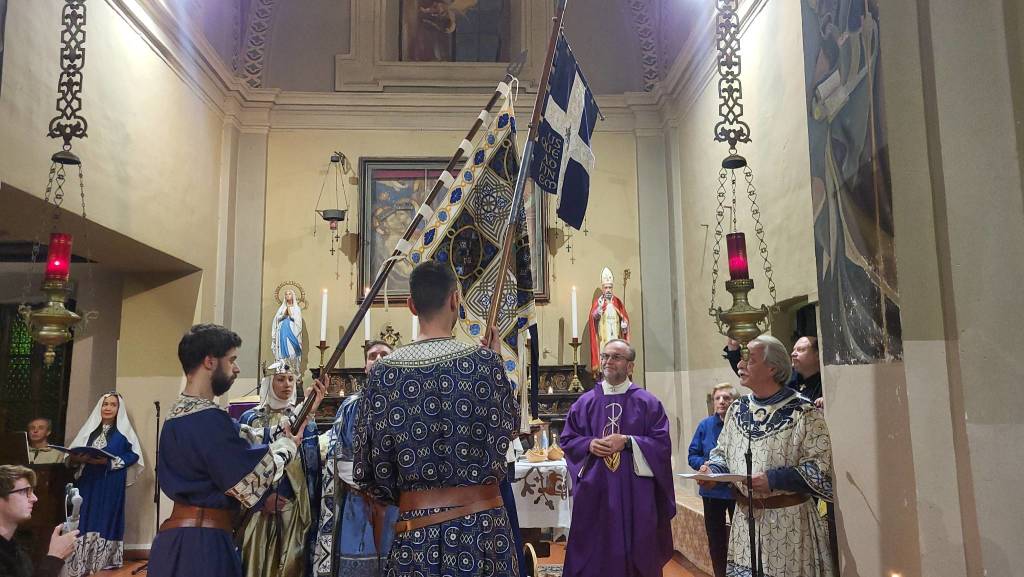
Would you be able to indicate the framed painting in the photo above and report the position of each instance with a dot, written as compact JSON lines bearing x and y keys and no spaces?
{"x":391,"y":192}
{"x":455,"y":30}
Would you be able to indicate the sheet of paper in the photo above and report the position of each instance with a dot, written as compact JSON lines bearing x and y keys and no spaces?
{"x":717,"y":477}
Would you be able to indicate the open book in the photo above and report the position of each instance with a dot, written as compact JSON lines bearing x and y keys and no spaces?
{"x":717,"y":477}
{"x":85,"y":451}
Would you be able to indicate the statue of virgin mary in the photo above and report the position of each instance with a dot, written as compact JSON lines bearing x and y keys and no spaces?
{"x":286,"y":334}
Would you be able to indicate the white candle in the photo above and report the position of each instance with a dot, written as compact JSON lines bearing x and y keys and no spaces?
{"x":575,"y":318}
{"x":323,"y":317}
{"x":366,"y":320}
{"x":415,"y":327}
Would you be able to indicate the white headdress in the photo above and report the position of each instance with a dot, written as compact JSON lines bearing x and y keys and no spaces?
{"x":267,"y":395}
{"x":124,"y":426}
{"x":606,"y":276}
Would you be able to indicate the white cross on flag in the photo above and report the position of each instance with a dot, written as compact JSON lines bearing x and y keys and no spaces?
{"x":562,"y":158}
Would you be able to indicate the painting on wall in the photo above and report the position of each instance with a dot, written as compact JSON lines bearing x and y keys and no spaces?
{"x":454,"y":30}
{"x":850,"y":183}
{"x":392,"y":191}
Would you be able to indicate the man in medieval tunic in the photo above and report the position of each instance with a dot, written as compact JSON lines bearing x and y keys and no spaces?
{"x":352,"y":528}
{"x":278,"y":534}
{"x":618,"y":449}
{"x":433,"y":427}
{"x":609,"y":320}
{"x":210,"y":465}
{"x":792,"y":462}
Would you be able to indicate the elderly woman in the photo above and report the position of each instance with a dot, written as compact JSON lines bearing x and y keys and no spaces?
{"x":718,"y":501}
{"x":102,"y":479}
{"x":792,"y":462}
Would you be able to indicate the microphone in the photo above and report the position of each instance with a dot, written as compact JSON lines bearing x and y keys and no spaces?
{"x":75,"y":499}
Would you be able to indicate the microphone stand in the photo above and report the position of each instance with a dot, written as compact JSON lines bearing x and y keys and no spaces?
{"x":755,"y":567}
{"x":156,"y":485}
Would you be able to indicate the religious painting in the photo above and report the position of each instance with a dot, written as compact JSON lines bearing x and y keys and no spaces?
{"x":455,"y":30}
{"x":392,"y":191}
{"x":850,"y":183}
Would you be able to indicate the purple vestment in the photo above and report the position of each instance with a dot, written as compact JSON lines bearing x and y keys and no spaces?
{"x":620,"y":521}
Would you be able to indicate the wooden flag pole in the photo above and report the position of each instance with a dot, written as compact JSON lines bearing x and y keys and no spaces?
{"x":524,"y":170}
{"x":378,"y":283}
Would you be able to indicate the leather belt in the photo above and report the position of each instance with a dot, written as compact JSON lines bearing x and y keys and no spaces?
{"x":462,"y":500}
{"x":776,"y":502}
{"x":198,"y":517}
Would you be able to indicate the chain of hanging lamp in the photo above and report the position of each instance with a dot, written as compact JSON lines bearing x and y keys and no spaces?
{"x":733,"y":130}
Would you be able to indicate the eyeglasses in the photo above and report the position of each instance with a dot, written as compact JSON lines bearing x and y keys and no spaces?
{"x":29,"y":492}
{"x":616,"y":357}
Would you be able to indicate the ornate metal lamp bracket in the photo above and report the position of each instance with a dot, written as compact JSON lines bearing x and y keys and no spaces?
{"x":731,"y":128}
{"x":69,"y":123}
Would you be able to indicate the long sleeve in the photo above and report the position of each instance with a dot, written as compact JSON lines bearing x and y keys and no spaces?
{"x":49,"y":566}
{"x":718,"y":462}
{"x":815,"y":467}
{"x":374,"y":464}
{"x":695,"y":454}
{"x":575,"y":439}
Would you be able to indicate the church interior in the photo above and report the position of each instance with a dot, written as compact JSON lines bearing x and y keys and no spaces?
{"x":247,"y":157}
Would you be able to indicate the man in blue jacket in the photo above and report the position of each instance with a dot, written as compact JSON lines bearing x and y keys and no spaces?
{"x":718,"y":500}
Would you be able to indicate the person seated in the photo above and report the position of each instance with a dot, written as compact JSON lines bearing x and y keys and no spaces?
{"x":39,"y":451}
{"x":17,"y":497}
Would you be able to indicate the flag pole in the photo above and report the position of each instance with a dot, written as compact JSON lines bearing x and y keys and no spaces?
{"x":524,"y":169}
{"x":410,"y":231}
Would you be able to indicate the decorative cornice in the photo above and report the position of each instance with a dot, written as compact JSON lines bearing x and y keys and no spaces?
{"x":182,"y":46}
{"x":646,"y":32}
{"x":257,"y":40}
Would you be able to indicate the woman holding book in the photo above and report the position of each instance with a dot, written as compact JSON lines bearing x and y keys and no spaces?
{"x":109,"y":456}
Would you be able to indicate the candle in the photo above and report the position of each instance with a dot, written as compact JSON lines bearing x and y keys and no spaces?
{"x":58,"y":257}
{"x":736,"y":245}
{"x":415,"y":327}
{"x":323,"y":318}
{"x":366,"y":320}
{"x":575,"y":318}
{"x":551,"y":390}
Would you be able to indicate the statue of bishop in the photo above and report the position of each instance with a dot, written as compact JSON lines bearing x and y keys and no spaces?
{"x":608,"y":320}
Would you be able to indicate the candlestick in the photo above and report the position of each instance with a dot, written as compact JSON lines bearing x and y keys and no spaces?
{"x":736,"y":248}
{"x":323,"y":348}
{"x":575,"y":386}
{"x":323,"y":317}
{"x":415,"y":327}
{"x":575,"y":318}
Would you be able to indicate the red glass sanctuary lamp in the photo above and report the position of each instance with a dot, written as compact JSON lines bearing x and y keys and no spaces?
{"x":58,"y":261}
{"x":736,"y":246}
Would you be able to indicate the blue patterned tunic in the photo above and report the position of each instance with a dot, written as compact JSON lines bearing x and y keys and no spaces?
{"x":439,"y":413}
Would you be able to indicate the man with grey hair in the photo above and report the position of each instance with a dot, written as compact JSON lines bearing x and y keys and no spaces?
{"x":792,"y":462}
{"x":617,"y":445}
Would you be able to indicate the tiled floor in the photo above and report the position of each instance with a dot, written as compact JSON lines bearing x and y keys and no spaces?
{"x":675,"y":568}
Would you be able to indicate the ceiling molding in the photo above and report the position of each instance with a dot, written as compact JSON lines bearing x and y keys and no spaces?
{"x":258,"y":30}
{"x":647,"y":33}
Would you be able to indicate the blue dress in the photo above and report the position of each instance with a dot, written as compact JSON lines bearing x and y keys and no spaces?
{"x":206,"y":462}
{"x":439,"y":413}
{"x":101,"y":525}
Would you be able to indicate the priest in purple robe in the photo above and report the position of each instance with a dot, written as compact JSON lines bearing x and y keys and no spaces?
{"x":619,"y":452}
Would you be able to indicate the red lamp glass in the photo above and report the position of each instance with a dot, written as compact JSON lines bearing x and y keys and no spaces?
{"x":736,"y":245}
{"x":58,"y":260}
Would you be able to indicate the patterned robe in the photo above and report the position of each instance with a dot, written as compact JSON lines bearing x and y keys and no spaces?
{"x":439,"y":413}
{"x":790,"y":442}
{"x":281,"y":545}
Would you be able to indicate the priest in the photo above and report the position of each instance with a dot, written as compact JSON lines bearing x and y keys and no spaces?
{"x":617,"y":444}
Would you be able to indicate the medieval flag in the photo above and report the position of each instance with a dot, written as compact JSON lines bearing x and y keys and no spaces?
{"x":467,"y":231}
{"x":562,"y":159}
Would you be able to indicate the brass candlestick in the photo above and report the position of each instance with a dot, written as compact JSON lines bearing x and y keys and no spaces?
{"x":575,"y":386}
{"x":323,"y":349}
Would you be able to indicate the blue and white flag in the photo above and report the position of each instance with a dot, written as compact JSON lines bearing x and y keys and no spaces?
{"x":562,"y":157}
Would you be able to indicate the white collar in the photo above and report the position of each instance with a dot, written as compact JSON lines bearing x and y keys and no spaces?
{"x":616,"y":389}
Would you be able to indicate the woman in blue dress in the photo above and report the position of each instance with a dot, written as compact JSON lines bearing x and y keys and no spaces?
{"x":102,"y":481}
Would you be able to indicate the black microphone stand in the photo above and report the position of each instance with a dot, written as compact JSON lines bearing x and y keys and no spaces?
{"x":755,"y":566}
{"x":156,"y":484}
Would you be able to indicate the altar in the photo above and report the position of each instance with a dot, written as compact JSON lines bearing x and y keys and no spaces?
{"x":543,"y":500}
